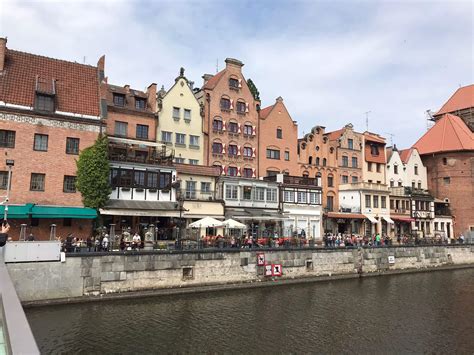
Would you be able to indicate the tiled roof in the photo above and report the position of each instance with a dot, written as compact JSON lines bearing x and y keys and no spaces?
{"x":77,"y":85}
{"x":461,"y":99}
{"x":130,"y":97}
{"x":374,"y":138}
{"x":212,"y":82}
{"x":405,"y":154}
{"x":335,"y":134}
{"x":201,"y":170}
{"x":264,"y":112}
{"x":450,"y":133}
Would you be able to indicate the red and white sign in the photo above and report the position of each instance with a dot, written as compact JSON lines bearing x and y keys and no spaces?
{"x":260,"y":259}
{"x":276,"y":270}
{"x":268,"y":270}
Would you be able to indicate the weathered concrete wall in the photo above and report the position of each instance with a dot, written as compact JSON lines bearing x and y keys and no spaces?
{"x":102,"y":274}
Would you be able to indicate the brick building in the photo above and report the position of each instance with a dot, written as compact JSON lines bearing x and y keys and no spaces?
{"x":49,"y":112}
{"x":231,"y":122}
{"x":278,"y":141}
{"x":447,"y":151}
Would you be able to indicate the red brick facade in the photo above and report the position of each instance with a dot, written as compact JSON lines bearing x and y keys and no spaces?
{"x":230,"y":122}
{"x":278,"y":131}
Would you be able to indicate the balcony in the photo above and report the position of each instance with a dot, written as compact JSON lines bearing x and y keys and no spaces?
{"x":142,"y":153}
{"x":365,"y":186}
{"x":199,"y":195}
{"x":294,"y":180}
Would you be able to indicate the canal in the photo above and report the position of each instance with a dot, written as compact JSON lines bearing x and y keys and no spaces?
{"x":412,"y":313}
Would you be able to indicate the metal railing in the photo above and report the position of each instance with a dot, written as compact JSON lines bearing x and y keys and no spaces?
{"x":17,"y":332}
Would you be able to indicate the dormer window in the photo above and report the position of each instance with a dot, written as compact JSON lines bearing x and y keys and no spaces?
{"x":140,"y":104}
{"x":374,"y":150}
{"x":234,"y":83}
{"x":119,"y":100}
{"x":44,"y":103}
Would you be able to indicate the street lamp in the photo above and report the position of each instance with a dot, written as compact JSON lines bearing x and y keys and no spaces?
{"x":10,"y":163}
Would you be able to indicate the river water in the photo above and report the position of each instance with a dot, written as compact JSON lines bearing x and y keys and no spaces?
{"x":412,"y":313}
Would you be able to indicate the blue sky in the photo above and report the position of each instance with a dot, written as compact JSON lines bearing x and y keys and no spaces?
{"x":331,"y":61}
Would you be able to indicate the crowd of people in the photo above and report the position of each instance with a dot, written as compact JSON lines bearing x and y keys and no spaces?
{"x":352,"y":240}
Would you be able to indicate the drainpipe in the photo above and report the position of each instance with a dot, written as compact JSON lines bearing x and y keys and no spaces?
{"x":209,"y":147}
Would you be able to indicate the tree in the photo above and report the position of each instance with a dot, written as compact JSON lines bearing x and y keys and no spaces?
{"x":93,"y":170}
{"x":253,"y":89}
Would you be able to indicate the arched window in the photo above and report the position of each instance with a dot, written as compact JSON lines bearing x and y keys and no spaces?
{"x":324,"y":161}
{"x":232,"y":171}
{"x":248,"y":151}
{"x":416,"y":169}
{"x":234,"y":83}
{"x":310,"y":160}
{"x":317,"y":161}
{"x":305,"y":174}
{"x":217,"y":125}
{"x":225,"y":103}
{"x":392,"y":183}
{"x":241,"y":106}
{"x":217,"y":147}
{"x":330,"y":180}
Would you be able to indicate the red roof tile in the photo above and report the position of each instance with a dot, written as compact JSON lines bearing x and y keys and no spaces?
{"x":198,"y":170}
{"x":212,"y":82}
{"x":335,"y":134}
{"x":264,"y":112}
{"x":450,"y":133}
{"x":461,"y":99}
{"x":405,"y":154}
{"x":77,"y":85}
{"x":374,"y":138}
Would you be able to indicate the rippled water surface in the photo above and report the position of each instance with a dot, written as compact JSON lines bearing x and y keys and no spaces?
{"x":417,"y":313}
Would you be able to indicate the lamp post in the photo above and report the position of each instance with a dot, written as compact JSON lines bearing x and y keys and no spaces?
{"x":10,"y":163}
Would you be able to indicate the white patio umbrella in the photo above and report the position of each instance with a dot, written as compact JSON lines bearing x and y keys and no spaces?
{"x":206,"y":222}
{"x":233,"y":224}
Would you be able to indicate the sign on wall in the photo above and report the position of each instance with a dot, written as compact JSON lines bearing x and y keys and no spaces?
{"x":268,"y":270}
{"x":260,"y":259}
{"x":276,"y":270}
{"x":391,"y":259}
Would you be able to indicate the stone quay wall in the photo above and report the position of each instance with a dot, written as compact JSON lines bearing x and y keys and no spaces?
{"x":90,"y":276}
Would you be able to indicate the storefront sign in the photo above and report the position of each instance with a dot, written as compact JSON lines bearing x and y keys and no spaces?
{"x":276,"y":269}
{"x":260,"y":259}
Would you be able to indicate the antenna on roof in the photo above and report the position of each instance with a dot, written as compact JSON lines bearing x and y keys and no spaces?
{"x":430,"y":119}
{"x":217,"y":65}
{"x":84,"y":60}
{"x":391,"y":137}
{"x":367,"y":120}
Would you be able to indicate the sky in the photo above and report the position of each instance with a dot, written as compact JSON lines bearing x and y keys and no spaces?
{"x":331,"y":61}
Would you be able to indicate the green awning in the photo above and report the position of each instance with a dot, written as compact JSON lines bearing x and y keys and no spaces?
{"x":63,"y":212}
{"x":16,"y":211}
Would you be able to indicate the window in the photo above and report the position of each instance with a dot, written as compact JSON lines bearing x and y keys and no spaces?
{"x":152,"y":180}
{"x":139,"y":178}
{"x":330,"y":203}
{"x":44,"y":103}
{"x":193,"y":162}
{"x":279,"y":133}
{"x":124,"y":178}
{"x":248,"y":172}
{"x":233,"y":83}
{"x":180,"y":138}
{"x":412,"y":184}
{"x":324,"y":161}
{"x":217,"y":125}
{"x":376,"y":201}
{"x":225,"y":104}
{"x":301,"y":196}
{"x":445,"y":161}
{"x":187,"y":114}
{"x":3,"y":180}
{"x":41,"y":142}
{"x":165,"y":180}
{"x":384,"y":201}
{"x":248,"y":130}
{"x":369,"y":166}
{"x":416,"y":169}
{"x":194,"y":141}
{"x":166,"y":137}
{"x":345,"y":161}
{"x":374,"y":150}
{"x":395,"y":169}
{"x":190,"y":189}
{"x":447,"y":180}
{"x":142,"y":131}
{"x":330,"y":181}
{"x":289,"y":196}
{"x":205,"y":187}
{"x":273,"y":154}
{"x":354,"y":162}
{"x":345,"y":179}
{"x":355,"y":179}
{"x":271,"y":195}
{"x":119,"y":100}
{"x":260,"y":194}
{"x":400,"y":184}
{"x":121,"y":128}
{"x":317,"y":161}
{"x":350,"y":143}
{"x":217,"y":148}
{"x":392,"y":183}
{"x":232,"y":171}
{"x":179,"y":160}
{"x":140,"y":104}
{"x":241,"y":106}
{"x":367,"y":201}
{"x":246,"y":192}
{"x":176,"y":113}
{"x":419,"y":184}
{"x":379,"y":167}
{"x":231,"y":192}
{"x":248,"y":152}
{"x":314,"y":198}
{"x":310,"y":160}
{"x":233,"y":150}
{"x":233,"y":127}
{"x":37,"y":182}
{"x":7,"y":139}
{"x":72,"y":145}
{"x":287,"y":155}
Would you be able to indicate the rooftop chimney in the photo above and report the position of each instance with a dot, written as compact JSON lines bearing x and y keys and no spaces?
{"x":151,"y":97}
{"x":233,"y":62}
{"x":3,"y":51}
{"x":206,"y":78}
{"x":127,"y":88}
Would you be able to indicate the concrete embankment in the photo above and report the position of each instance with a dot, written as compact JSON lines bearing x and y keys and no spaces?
{"x":115,"y":275}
